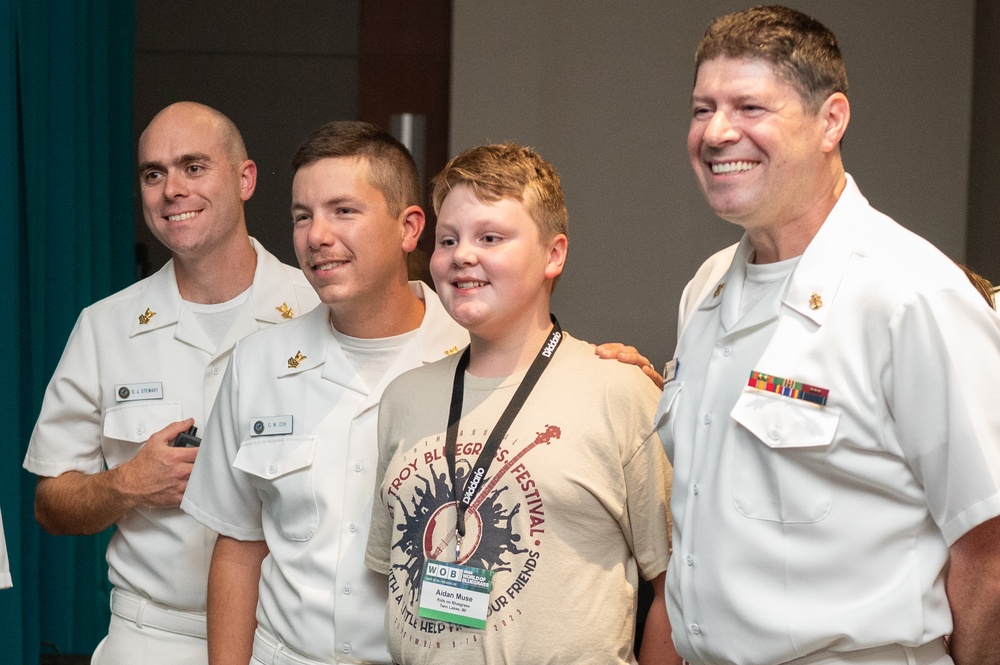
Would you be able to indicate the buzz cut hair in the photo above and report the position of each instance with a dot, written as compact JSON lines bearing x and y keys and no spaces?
{"x":391,"y":169}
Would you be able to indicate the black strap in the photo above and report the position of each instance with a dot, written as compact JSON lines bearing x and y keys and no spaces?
{"x":474,"y":481}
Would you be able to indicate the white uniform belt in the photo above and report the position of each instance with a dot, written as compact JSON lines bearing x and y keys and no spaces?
{"x":144,"y":612}
{"x":892,"y":654}
{"x":267,"y":649}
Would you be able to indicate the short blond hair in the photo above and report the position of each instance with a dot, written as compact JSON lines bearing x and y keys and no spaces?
{"x":508,"y":171}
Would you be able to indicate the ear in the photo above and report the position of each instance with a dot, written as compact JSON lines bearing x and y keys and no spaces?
{"x":413,"y":225}
{"x":836,"y":113}
{"x":248,"y":179}
{"x":558,"y":247}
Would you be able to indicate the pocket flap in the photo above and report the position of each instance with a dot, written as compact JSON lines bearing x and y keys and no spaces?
{"x":135,"y":421}
{"x":784,"y":422}
{"x":663,"y":409}
{"x":275,"y":456}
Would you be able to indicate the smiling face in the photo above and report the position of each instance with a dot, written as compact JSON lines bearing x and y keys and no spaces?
{"x":491,"y":267}
{"x":761,"y":157}
{"x":193,"y":184}
{"x":350,"y":247}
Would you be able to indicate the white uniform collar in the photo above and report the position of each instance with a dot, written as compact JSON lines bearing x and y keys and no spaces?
{"x":314,"y":345}
{"x":160,"y":304}
{"x":816,"y":279}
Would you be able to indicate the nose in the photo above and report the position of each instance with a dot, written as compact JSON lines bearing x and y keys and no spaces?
{"x":720,"y":130}
{"x":320,"y":232}
{"x":175,"y":185}
{"x":463,"y":254}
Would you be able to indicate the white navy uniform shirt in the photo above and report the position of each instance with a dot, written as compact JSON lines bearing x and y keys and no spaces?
{"x":121,"y":379}
{"x":802,"y":528}
{"x":289,"y":457}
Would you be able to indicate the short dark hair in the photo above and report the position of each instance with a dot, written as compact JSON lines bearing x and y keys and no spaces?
{"x":391,"y":169}
{"x":801,"y":50}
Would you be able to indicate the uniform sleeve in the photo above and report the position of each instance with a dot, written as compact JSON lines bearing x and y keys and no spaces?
{"x":943,"y":387}
{"x":648,"y":479}
{"x":67,"y":435}
{"x":219,"y":495}
{"x":377,"y":553}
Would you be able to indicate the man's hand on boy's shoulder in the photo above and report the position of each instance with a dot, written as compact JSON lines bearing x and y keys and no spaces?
{"x":629,"y":355}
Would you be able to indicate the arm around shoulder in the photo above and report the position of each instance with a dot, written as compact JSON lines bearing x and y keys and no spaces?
{"x":974,"y":595}
{"x":629,"y":355}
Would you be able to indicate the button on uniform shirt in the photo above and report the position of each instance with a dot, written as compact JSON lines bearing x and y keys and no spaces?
{"x":803,"y":528}
{"x":307,"y":489}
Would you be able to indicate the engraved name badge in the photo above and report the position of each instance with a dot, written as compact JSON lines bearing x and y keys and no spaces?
{"x":131,"y":392}
{"x":270,"y":425}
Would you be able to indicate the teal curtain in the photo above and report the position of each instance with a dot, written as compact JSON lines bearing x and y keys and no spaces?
{"x":66,"y":240}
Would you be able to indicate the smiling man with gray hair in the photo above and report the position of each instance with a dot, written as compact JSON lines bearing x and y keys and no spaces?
{"x":830,"y":413}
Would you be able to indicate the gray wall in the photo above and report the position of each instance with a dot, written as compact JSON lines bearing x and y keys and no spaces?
{"x":983,"y":241}
{"x":279,"y":70}
{"x":605,"y":96}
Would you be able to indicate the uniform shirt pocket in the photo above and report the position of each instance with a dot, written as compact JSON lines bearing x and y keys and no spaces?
{"x":662,"y":421}
{"x":782,"y":471}
{"x":282,"y":471}
{"x":128,"y":426}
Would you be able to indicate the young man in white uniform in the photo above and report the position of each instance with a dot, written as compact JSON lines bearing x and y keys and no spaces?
{"x":287,"y":470}
{"x":288,"y":464}
{"x":832,"y":419}
{"x":142,"y":366}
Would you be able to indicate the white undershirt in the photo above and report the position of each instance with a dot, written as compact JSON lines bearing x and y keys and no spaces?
{"x":371,"y":358}
{"x":215,"y":319}
{"x":762,"y":282}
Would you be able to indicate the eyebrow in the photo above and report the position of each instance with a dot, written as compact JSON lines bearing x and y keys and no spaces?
{"x":329,"y":203}
{"x":736,"y":99}
{"x":183,"y":159}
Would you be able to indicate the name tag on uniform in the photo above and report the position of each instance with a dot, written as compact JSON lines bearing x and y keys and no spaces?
{"x":670,"y":370}
{"x":270,"y":425}
{"x":130,"y":392}
{"x":455,"y":593}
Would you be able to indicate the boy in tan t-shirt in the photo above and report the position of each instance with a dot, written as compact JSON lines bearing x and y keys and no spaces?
{"x":530,"y":551}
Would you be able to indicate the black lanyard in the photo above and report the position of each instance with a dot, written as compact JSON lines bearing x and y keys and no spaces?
{"x":474,"y":481}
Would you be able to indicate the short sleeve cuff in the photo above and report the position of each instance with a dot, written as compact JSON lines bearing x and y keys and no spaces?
{"x":970,"y":518}
{"x":221,"y":527}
